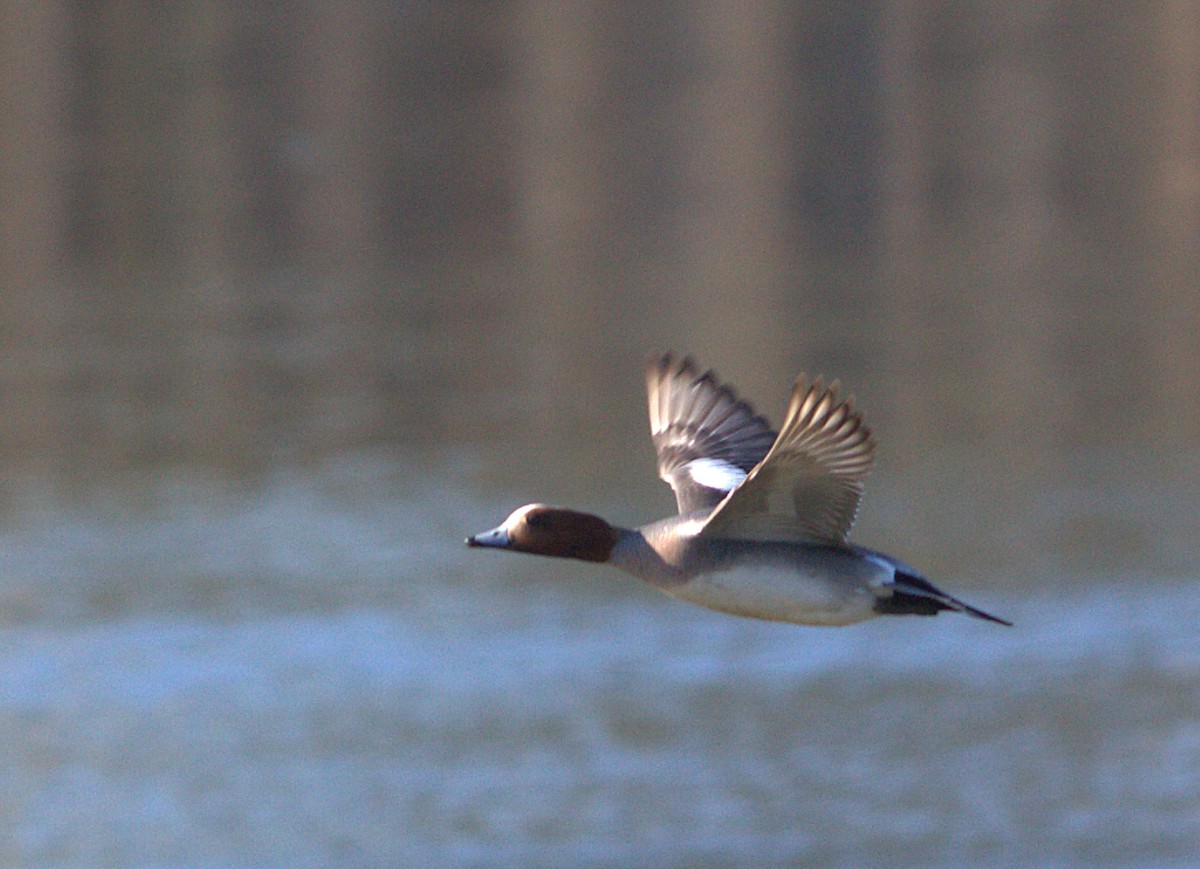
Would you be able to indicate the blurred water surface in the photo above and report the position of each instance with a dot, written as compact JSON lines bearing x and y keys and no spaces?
{"x":312,"y":670}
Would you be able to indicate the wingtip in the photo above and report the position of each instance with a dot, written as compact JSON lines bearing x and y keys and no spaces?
{"x":663,"y":363}
{"x":658,"y":359}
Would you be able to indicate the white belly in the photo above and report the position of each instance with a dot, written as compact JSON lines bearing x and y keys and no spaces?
{"x":783,"y":595}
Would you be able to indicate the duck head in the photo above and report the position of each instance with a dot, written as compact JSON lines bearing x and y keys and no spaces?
{"x":542,"y":530}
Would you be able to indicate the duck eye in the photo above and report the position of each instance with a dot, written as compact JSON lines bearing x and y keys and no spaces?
{"x":535,"y":520}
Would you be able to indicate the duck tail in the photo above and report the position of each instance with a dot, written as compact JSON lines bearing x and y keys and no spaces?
{"x":916,"y":596}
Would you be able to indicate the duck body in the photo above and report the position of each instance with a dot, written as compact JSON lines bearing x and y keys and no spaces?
{"x":763,"y":517}
{"x":812,"y":584}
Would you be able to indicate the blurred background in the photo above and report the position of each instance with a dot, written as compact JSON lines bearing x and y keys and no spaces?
{"x":295,"y":296}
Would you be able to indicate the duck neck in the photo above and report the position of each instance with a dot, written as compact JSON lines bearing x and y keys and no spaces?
{"x":634,"y":554}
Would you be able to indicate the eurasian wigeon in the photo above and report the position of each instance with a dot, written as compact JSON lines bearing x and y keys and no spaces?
{"x":763,"y":517}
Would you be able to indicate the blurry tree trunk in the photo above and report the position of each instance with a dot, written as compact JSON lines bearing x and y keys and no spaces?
{"x":741,"y":261}
{"x":904,"y":227}
{"x":1010,"y":312}
{"x":338,"y":219}
{"x":563,"y":201}
{"x":980,"y":322}
{"x":210,"y":416}
{"x":34,"y":238}
{"x":130,"y":100}
{"x":338,"y":213}
{"x":205,"y":181}
{"x":1105,"y":63}
{"x":125,"y":219}
{"x":1174,"y":224}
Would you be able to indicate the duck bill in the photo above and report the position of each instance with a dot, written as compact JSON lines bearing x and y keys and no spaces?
{"x":497,"y":538}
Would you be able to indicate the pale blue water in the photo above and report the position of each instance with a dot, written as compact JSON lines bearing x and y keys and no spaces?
{"x":313,"y":671}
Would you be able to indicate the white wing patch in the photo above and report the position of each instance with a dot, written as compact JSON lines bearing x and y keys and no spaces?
{"x":715,"y":474}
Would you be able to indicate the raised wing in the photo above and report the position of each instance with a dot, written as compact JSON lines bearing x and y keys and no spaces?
{"x":808,"y":486}
{"x":707,"y":439}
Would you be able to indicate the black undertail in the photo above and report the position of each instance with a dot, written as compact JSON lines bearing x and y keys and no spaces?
{"x":913,"y":595}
